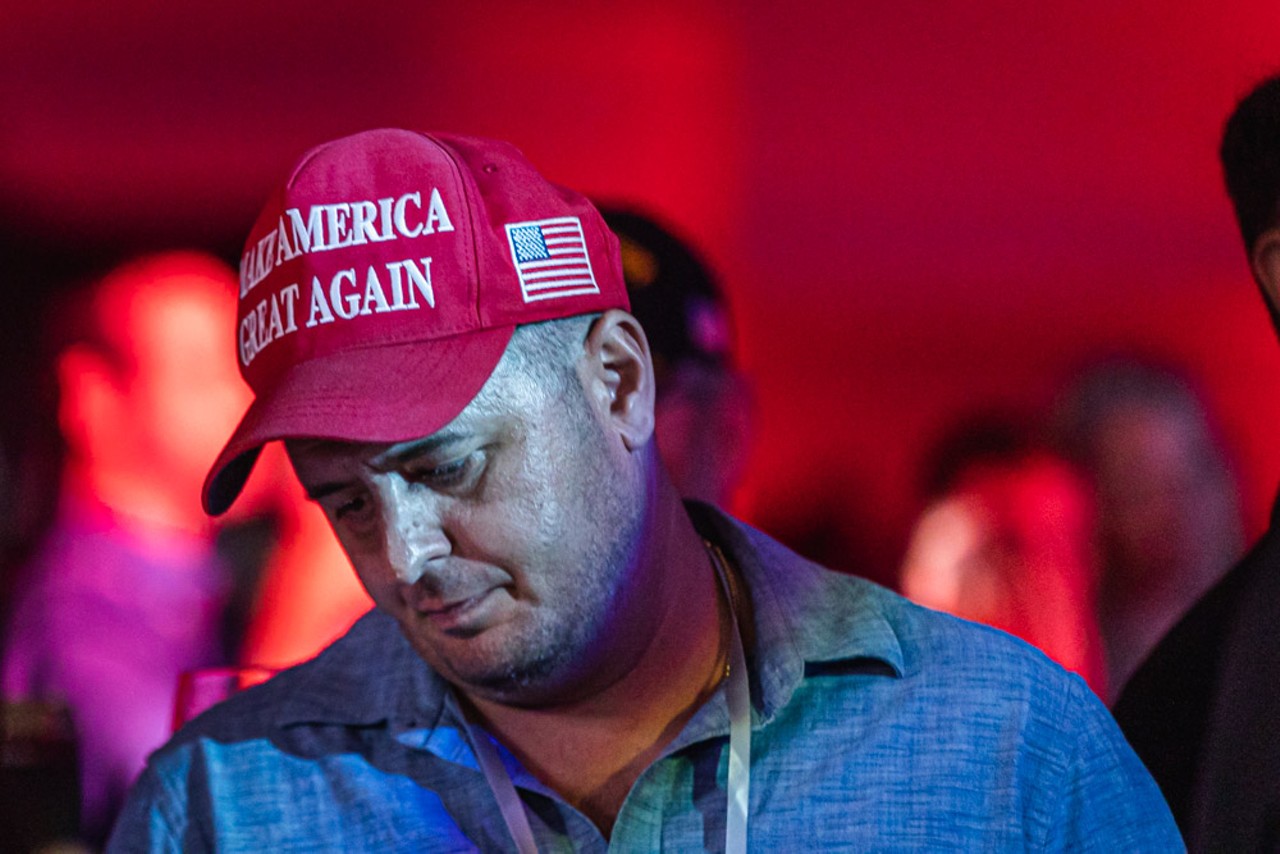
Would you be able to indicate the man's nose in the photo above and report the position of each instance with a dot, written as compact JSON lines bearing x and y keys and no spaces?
{"x":413,"y":530}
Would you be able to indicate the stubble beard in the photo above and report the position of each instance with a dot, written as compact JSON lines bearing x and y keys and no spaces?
{"x":559,"y":650}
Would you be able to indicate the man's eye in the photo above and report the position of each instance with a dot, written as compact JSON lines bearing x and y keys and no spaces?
{"x":453,"y":473}
{"x":450,"y":471}
{"x":355,"y":505}
{"x":353,"y":511}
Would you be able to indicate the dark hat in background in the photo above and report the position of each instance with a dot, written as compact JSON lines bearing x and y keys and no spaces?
{"x":673,"y":293}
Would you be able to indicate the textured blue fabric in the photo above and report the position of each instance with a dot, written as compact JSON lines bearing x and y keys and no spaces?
{"x":877,"y":726}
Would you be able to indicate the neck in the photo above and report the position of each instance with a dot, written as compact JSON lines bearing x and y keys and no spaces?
{"x":591,"y":749}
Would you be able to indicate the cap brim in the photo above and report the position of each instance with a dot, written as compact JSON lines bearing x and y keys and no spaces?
{"x":389,"y":393}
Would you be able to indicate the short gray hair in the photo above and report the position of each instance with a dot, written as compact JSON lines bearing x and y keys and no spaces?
{"x":541,"y":359}
{"x":547,"y":351}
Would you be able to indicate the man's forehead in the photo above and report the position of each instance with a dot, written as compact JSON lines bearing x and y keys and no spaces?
{"x":511,"y":390}
{"x":389,"y":456}
{"x":482,"y":415}
{"x":375,"y":454}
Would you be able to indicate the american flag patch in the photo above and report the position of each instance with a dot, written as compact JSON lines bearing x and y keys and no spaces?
{"x":551,"y":258}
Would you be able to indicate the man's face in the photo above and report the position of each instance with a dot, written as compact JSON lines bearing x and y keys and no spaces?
{"x":502,"y":543}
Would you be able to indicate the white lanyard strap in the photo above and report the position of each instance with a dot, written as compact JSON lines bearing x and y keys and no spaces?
{"x":503,"y":790}
{"x":738,"y":695}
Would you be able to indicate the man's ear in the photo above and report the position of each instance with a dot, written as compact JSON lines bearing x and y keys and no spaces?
{"x":618,"y":376}
{"x":1265,"y":261}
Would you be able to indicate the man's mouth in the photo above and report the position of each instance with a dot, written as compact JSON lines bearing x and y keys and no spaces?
{"x":463,"y":615}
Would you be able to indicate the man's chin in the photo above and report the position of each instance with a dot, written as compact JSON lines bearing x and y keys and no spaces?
{"x":528,"y":683}
{"x":487,"y":674}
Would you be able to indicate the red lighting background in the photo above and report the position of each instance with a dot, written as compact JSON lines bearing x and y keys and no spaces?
{"x":917,"y":207}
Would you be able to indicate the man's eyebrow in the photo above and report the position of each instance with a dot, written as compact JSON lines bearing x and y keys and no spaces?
{"x":405,"y":451}
{"x":322,"y":490}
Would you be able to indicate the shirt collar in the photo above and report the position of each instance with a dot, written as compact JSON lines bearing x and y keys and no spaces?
{"x":803,"y":614}
{"x":369,"y":676}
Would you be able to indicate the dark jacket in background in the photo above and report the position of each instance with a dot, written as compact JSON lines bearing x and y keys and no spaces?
{"x":1203,"y":711}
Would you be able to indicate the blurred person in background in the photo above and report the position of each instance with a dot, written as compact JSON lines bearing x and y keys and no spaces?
{"x":1007,"y":540}
{"x":125,"y":592}
{"x":1168,"y":507}
{"x":703,"y":426}
{"x":1203,"y":711}
{"x":703,"y":406}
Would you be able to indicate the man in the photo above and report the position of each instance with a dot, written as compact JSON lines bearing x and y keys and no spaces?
{"x":701,"y":420}
{"x":564,"y":656}
{"x":1202,"y":709}
{"x":125,"y":591}
{"x":1168,"y":504}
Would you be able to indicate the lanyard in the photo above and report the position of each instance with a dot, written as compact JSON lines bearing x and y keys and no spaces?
{"x":738,"y":696}
{"x":504,"y":790}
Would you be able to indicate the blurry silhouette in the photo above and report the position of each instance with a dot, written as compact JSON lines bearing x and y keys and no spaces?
{"x":310,"y":595}
{"x":1169,"y":515}
{"x":1007,"y":540}
{"x":124,"y":591}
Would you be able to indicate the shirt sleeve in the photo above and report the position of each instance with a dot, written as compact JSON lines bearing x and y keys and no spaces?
{"x":1106,"y":800}
{"x":153,"y":820}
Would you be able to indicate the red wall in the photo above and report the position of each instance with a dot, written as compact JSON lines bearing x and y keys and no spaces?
{"x":919,"y":207}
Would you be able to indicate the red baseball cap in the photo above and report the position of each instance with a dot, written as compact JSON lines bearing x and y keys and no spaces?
{"x":381,"y":284}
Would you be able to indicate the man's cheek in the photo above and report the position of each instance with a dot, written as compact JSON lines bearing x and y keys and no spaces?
{"x":377,"y":579}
